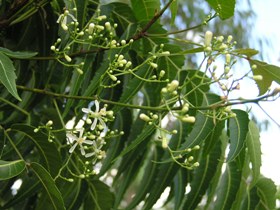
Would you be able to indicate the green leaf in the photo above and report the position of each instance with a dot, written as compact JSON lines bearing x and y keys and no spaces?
{"x":17,"y":54}
{"x":173,"y":9}
{"x":254,"y":149}
{"x":262,"y":196}
{"x":9,"y":169}
{"x":148,"y":130}
{"x":145,"y":9}
{"x":48,"y":151}
{"x":99,"y":196}
{"x":228,"y":187}
{"x":28,"y":188}
{"x":225,"y":8}
{"x":48,"y":184}
{"x":247,"y":51}
{"x":180,"y":182}
{"x":243,"y":187}
{"x":266,"y":190}
{"x":147,"y":180}
{"x":202,"y":178}
{"x":7,"y":75}
{"x":127,"y":178}
{"x":166,"y":171}
{"x":269,"y":72}
{"x":238,"y":128}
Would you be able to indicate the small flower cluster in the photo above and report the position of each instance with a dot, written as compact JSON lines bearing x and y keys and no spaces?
{"x":48,"y":127}
{"x":218,"y":44}
{"x":116,"y":68}
{"x":97,"y":33}
{"x":95,"y":138}
{"x":186,"y":158}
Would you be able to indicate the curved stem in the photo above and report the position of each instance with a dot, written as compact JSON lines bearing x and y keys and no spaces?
{"x":218,"y":105}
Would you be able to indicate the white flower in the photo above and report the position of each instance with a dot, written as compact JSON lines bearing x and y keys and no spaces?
{"x":97,"y":115}
{"x":97,"y":150}
{"x":78,"y":141}
{"x":62,"y":19}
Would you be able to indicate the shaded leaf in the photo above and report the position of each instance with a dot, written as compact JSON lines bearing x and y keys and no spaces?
{"x":269,"y":72}
{"x":261,"y":196}
{"x":266,"y":190}
{"x":48,"y":151}
{"x":225,"y":8}
{"x":17,"y":54}
{"x":48,"y":184}
{"x":173,"y":9}
{"x":28,"y":188}
{"x":203,"y":175}
{"x":148,"y":130}
{"x":228,"y":187}
{"x":166,"y":171}
{"x":9,"y":169}
{"x":238,"y":128}
{"x":146,"y":182}
{"x":99,"y":196}
{"x":247,"y":51}
{"x":7,"y":75}
{"x":145,"y":9}
{"x":180,"y":182}
{"x":254,"y":149}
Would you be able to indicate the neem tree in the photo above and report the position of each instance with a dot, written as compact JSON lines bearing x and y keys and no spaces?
{"x":99,"y":110}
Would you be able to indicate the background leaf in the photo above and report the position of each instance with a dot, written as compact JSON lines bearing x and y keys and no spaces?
{"x":48,"y":184}
{"x":145,"y":9}
{"x":254,"y":149}
{"x":269,"y":72}
{"x":17,"y":54}
{"x":9,"y":169}
{"x":238,"y":128}
{"x":48,"y":151}
{"x":7,"y":75}
{"x":225,"y":8}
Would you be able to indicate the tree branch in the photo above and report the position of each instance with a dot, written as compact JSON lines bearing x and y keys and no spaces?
{"x":92,"y":98}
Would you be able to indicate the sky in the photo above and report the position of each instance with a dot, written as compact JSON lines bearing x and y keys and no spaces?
{"x":267,"y":25}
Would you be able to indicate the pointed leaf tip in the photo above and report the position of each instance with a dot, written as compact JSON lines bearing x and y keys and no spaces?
{"x":7,"y":75}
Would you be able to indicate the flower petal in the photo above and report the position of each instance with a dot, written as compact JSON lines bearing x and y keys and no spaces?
{"x":96,"y":106}
{"x":73,"y":147}
{"x":86,"y":110}
{"x":93,"y":125}
{"x":88,"y":142}
{"x":89,"y":154}
{"x":71,"y":137}
{"x":82,"y":149}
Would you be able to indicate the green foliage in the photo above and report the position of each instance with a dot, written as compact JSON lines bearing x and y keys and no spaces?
{"x":8,"y":75}
{"x":224,"y":8}
{"x":11,"y":169}
{"x":268,"y":72}
{"x":102,"y":109}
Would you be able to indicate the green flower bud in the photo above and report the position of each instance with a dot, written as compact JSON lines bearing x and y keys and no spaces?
{"x":188,"y":119}
{"x":108,"y":26}
{"x":208,"y":38}
{"x":67,"y":58}
{"x":90,"y":28}
{"x":164,"y":143}
{"x":172,"y":86}
{"x":228,"y":57}
{"x":258,"y":77}
{"x":144,"y":117}
{"x":49,"y":123}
